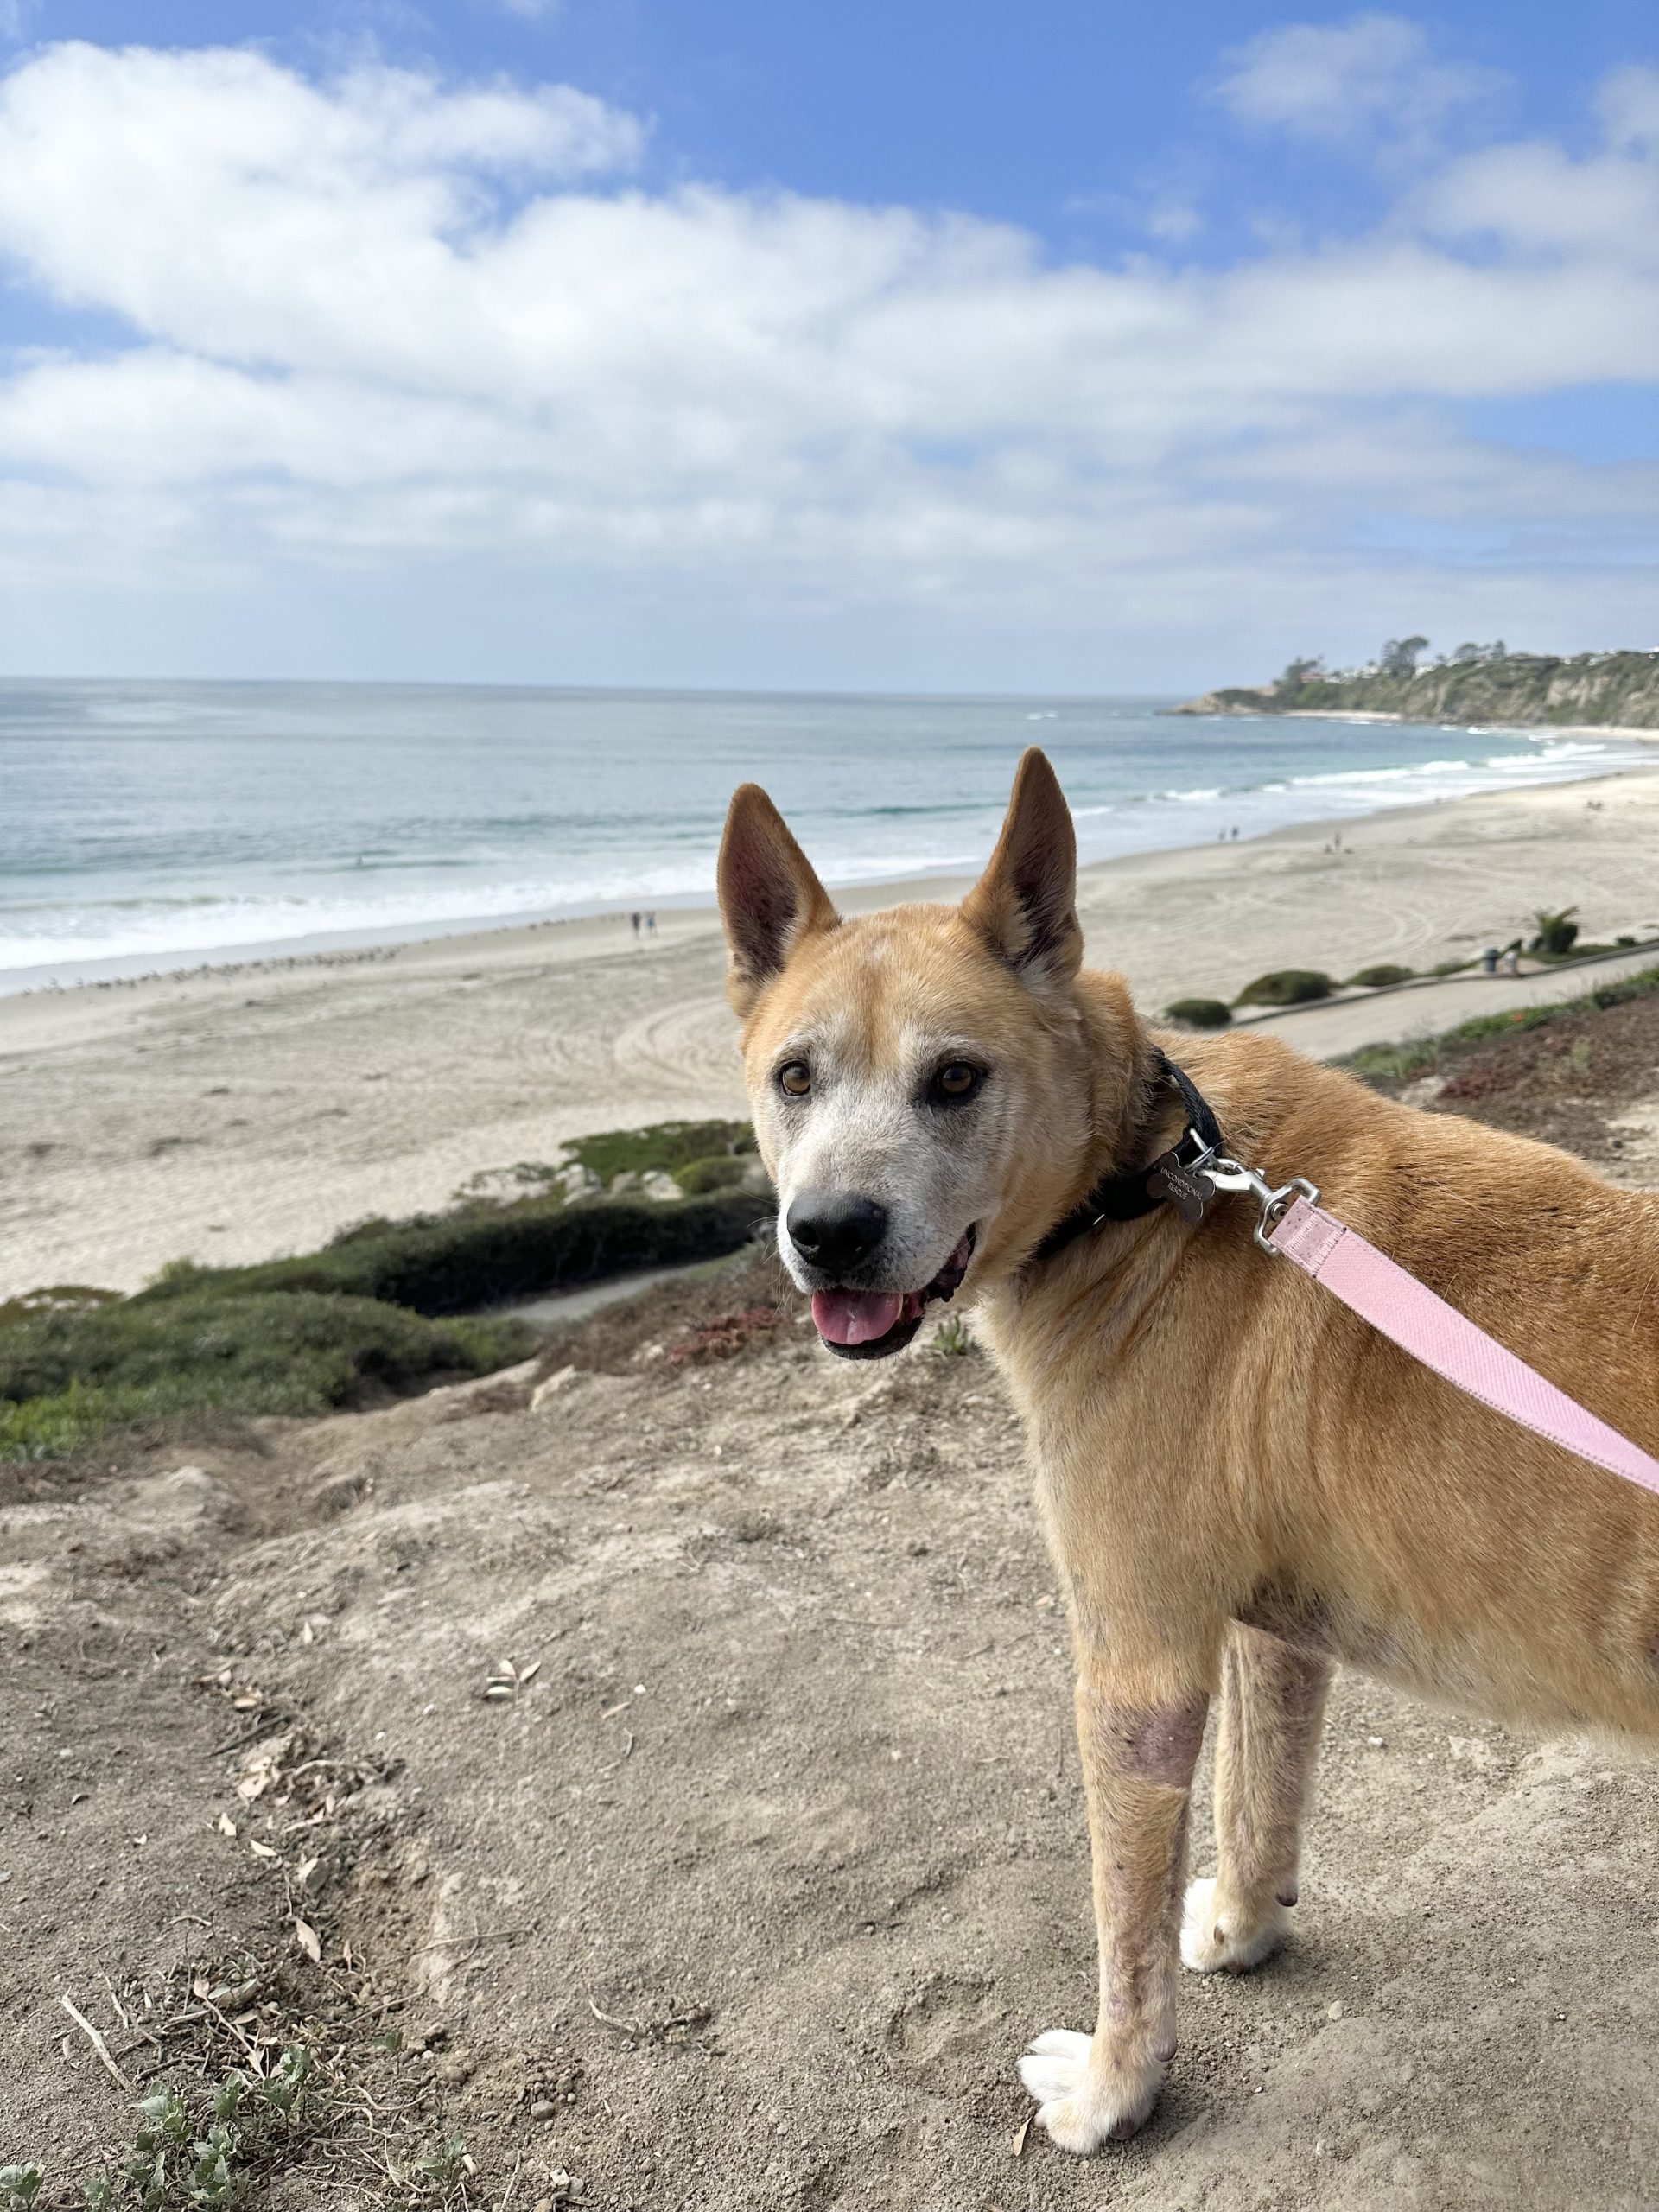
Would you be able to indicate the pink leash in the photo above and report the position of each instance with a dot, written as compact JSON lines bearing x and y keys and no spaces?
{"x":1407,"y":1311}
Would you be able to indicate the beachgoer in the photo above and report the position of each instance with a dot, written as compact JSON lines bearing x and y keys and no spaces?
{"x":634,"y":918}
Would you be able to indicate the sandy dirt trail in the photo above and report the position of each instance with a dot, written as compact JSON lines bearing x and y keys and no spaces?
{"x":790,"y":1800}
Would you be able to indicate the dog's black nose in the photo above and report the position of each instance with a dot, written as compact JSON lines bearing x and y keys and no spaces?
{"x":835,"y":1229}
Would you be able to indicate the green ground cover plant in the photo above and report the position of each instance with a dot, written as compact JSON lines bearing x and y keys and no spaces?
{"x":1200,"y":1014}
{"x":66,"y":1378}
{"x":666,"y":1145}
{"x":385,"y":1303}
{"x":58,"y":1297}
{"x":1419,"y":1056}
{"x":480,"y":1257}
{"x":728,"y":1172}
{"x":1287,"y":987}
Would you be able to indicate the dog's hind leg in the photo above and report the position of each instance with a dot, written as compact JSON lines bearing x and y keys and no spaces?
{"x":1267,"y":1740}
{"x":1139,"y":1734}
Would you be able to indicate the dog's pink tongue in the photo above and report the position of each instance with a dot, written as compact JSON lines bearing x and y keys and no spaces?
{"x":854,"y":1317}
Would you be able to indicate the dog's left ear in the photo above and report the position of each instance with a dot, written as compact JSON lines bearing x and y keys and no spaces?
{"x":770,"y":897}
{"x":1026,"y":901}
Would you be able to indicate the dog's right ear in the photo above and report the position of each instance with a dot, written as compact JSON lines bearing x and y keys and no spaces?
{"x":770,"y":898}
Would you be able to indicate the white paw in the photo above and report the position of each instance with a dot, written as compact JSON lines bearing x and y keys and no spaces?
{"x":1212,"y":1941}
{"x":1081,"y":2110}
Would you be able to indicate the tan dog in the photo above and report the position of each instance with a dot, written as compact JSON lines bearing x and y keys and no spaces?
{"x":1240,"y":1481}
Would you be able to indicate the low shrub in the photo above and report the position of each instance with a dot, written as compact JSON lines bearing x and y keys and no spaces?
{"x":725,"y":1172}
{"x":458,"y":1263}
{"x":1200,"y":1014}
{"x":1425,"y":1055}
{"x":381,"y":1302}
{"x":1287,"y":987}
{"x":66,"y":1376}
{"x":1379,"y":977}
{"x":666,"y":1145}
{"x":57,"y":1297}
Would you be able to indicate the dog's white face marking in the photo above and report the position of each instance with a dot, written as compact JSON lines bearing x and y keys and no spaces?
{"x":880,"y":1125}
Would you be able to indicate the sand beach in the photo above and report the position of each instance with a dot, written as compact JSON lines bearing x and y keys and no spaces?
{"x":234,"y":1114}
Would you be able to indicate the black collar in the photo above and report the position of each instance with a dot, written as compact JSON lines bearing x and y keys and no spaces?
{"x":1137,"y":1190}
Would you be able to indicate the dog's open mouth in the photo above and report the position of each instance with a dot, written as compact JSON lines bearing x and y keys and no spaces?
{"x":870,"y":1324}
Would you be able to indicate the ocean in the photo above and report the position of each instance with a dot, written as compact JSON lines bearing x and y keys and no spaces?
{"x":157,"y":825}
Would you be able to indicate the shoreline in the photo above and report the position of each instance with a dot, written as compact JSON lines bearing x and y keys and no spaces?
{"x":1624,"y":730}
{"x":339,"y":947}
{"x":237,"y":1113}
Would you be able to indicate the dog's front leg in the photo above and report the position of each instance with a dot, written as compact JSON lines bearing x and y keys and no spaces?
{"x":1139,"y":1733}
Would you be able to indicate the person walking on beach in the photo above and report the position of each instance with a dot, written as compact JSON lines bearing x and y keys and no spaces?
{"x":634,"y":918}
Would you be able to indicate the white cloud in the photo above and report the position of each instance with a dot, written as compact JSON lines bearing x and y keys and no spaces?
{"x":379,"y":323}
{"x":1629,"y":108}
{"x":1373,"y":79}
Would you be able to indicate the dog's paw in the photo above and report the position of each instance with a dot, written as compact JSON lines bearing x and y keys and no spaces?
{"x":1080,"y":2108}
{"x":1214,"y":1940}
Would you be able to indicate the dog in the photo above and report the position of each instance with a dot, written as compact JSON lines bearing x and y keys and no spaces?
{"x":1240,"y":1482}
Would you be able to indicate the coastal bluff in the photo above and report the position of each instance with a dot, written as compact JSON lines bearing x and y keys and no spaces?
{"x":1612,"y":690}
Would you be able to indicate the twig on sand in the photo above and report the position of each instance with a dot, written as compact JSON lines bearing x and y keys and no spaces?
{"x":512,"y":2184}
{"x":608,"y":2019}
{"x":97,"y":2042}
{"x":226,"y":2022}
{"x":266,"y":1725}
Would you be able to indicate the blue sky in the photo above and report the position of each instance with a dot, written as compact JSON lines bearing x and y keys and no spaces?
{"x":1055,"y":346}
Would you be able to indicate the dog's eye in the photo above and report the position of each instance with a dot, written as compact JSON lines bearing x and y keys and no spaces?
{"x":795,"y":1077}
{"x":957,"y":1080}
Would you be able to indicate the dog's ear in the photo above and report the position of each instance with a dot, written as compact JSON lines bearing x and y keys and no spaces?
{"x":770,"y":898}
{"x":1026,"y":901}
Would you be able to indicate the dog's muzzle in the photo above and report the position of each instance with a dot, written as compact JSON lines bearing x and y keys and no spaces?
{"x":871,"y":1324}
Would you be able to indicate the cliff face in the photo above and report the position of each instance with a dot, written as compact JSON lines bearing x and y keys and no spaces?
{"x":1619,"y":689}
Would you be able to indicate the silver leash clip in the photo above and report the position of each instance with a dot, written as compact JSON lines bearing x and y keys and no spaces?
{"x":1232,"y":1175}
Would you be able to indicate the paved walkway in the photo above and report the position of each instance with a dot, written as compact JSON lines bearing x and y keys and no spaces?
{"x":1424,"y":1010}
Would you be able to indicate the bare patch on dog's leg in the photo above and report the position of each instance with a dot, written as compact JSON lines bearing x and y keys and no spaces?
{"x":1137,"y":1760}
{"x":1267,"y":1740}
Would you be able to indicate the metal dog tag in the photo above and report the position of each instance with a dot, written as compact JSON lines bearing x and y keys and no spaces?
{"x":1188,"y":1189}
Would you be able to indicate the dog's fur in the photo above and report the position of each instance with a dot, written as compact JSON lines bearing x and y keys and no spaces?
{"x":1240,"y":1482}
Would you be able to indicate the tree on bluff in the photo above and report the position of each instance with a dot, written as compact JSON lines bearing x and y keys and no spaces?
{"x":1400,"y":656}
{"x":1299,"y":672}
